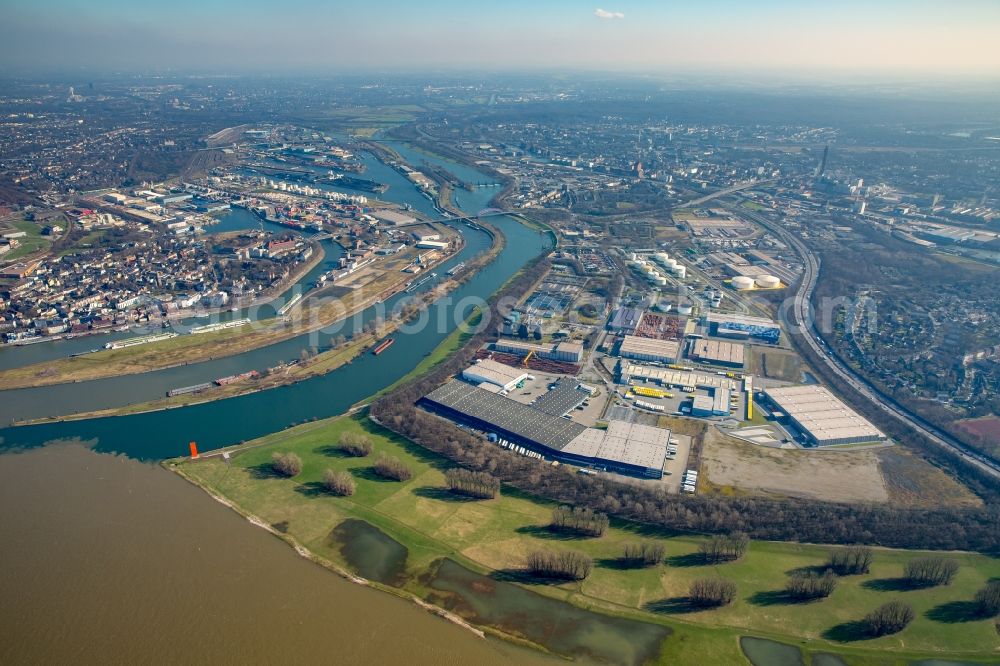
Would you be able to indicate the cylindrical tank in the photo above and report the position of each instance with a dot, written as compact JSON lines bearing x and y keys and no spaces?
{"x":660,"y":257}
{"x":661,"y":281}
{"x":684,"y":309}
{"x":742,"y":282}
{"x":767,"y":281}
{"x":680,"y":271}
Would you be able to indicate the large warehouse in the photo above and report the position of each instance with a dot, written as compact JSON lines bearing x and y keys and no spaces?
{"x":567,"y":350}
{"x":742,"y":326}
{"x":624,"y":447}
{"x":821,"y":417}
{"x":625,"y":320}
{"x":491,"y":372}
{"x":716,"y":351}
{"x":649,"y":349}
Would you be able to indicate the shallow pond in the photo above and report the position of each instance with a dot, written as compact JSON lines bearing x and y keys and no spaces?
{"x":556,"y":625}
{"x":371,"y":552}
{"x":762,"y":652}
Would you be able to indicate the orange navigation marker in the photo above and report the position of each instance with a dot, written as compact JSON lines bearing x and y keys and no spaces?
{"x":194,"y":449}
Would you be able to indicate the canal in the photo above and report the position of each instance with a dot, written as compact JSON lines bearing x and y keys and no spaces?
{"x":157,"y":435}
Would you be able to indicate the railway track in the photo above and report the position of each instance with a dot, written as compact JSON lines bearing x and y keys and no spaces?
{"x":805,"y":326}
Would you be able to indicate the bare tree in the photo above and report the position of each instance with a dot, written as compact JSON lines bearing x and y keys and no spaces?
{"x":889,"y":618}
{"x":808,"y":586}
{"x":392,"y":468}
{"x":712,"y":592}
{"x":567,"y":564}
{"x":930,"y":571}
{"x":286,"y":464}
{"x":644,"y":554}
{"x":354,"y":444}
{"x":850,"y":560}
{"x":987,"y":599}
{"x":338,"y":482}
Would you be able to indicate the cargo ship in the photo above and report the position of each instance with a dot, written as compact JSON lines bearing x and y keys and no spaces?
{"x":383,"y":346}
{"x":362,"y":184}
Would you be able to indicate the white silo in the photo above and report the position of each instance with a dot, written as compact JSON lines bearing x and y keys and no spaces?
{"x":767,"y":281}
{"x":742,"y":282}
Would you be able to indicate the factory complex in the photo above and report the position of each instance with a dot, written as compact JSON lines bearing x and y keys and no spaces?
{"x":821,"y":418}
{"x":627,"y":448}
{"x":742,"y":326}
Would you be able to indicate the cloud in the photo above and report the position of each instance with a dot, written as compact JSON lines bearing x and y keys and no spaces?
{"x":606,"y":15}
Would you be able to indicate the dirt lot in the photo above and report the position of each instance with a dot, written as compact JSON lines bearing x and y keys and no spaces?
{"x":731,"y":466}
{"x":775,"y":364}
{"x":886,"y":474}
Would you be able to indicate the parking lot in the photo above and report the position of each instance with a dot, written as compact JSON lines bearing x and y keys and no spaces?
{"x":534,"y":388}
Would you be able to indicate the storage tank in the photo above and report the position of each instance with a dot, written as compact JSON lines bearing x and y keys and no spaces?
{"x":672,"y":263}
{"x":767,"y":281}
{"x":661,"y":257}
{"x":661,"y":281}
{"x":684,"y":309}
{"x":680,"y":271}
{"x":742,"y":282}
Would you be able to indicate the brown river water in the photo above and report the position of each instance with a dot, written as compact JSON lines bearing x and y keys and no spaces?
{"x":107,"y":560}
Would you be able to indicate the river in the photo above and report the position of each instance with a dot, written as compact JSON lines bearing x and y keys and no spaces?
{"x":110,"y":559}
{"x":369,"y":373}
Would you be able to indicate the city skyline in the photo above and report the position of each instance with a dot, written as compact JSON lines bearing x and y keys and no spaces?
{"x":924,"y":40}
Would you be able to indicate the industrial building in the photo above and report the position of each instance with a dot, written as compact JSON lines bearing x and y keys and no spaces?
{"x":627,"y":448}
{"x":671,"y":377}
{"x":742,"y":326}
{"x":649,"y":349}
{"x":486,"y":371}
{"x":821,"y":418}
{"x":716,"y":404}
{"x":565,"y":396}
{"x":570,"y":352}
{"x":625,"y":320}
{"x":721,"y":353}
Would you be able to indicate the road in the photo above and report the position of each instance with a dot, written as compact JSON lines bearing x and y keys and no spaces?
{"x":807,"y":329}
{"x":722,"y":193}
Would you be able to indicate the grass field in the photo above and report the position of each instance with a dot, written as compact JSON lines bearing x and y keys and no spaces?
{"x":33,"y":242}
{"x":496,"y":535}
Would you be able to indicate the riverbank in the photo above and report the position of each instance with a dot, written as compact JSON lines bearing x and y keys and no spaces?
{"x":492,"y":538}
{"x":314,"y":366}
{"x":190,"y":349}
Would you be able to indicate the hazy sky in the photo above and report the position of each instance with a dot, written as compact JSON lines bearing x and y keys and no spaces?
{"x":805,"y":37}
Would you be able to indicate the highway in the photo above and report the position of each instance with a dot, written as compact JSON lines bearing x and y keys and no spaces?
{"x":806,"y":327}
{"x":722,"y":193}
